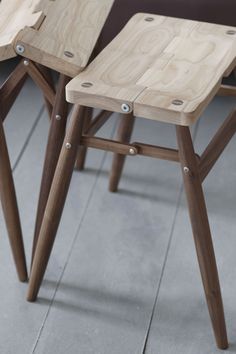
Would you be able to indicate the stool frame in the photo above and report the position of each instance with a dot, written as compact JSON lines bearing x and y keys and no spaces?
{"x":194,"y":169}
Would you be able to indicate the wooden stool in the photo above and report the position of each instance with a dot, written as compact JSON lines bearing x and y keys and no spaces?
{"x":14,"y":16}
{"x":163,"y":69}
{"x":43,"y":33}
{"x":64,"y":42}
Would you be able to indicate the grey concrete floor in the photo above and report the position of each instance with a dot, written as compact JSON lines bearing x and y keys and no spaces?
{"x":123,"y":276}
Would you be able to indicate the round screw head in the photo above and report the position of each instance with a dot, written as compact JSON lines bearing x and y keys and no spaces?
{"x":26,"y":62}
{"x":149,"y":19}
{"x":58,"y":117}
{"x":132,"y":151}
{"x":186,"y":170}
{"x":20,"y":48}
{"x":177,"y":102}
{"x":87,"y":84}
{"x":68,"y":146}
{"x":68,"y":54}
{"x":231,"y":32}
{"x":125,"y":108}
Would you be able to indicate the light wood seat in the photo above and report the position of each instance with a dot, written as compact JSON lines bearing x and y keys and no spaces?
{"x":162,"y":68}
{"x":14,"y":16}
{"x":67,"y":36}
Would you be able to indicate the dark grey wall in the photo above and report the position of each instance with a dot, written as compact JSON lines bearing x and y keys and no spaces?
{"x":216,"y":11}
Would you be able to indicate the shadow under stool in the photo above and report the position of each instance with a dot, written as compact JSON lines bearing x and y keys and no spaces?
{"x":164,"y":69}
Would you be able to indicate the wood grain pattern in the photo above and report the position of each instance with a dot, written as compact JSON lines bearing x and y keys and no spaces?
{"x":154,"y":61}
{"x":14,"y":16}
{"x":65,"y":40}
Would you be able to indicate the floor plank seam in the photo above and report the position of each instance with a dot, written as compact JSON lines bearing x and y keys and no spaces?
{"x":98,"y":173}
{"x":163,"y":269}
{"x":34,"y":126}
{"x":167,"y":253}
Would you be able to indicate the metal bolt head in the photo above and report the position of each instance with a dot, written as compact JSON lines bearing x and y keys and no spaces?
{"x":68,"y":54}
{"x":26,"y":62}
{"x":149,"y":19}
{"x":231,"y":32}
{"x":132,"y":151}
{"x":177,"y":102}
{"x":20,"y":48}
{"x":68,"y":146}
{"x":186,"y":170}
{"x":87,"y":84}
{"x":125,"y":108}
{"x":58,"y":117}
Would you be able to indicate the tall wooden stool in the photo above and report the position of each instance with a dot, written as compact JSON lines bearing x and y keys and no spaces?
{"x":14,"y":15}
{"x":43,"y":33}
{"x":64,"y":42}
{"x":163,"y":69}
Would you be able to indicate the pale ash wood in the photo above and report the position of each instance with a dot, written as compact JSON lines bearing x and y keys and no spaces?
{"x":150,"y":64}
{"x":56,"y":202}
{"x":70,"y":26}
{"x":202,"y":234}
{"x":10,"y":210}
{"x":54,"y":144}
{"x":217,"y":145}
{"x":123,"y":135}
{"x":14,"y":16}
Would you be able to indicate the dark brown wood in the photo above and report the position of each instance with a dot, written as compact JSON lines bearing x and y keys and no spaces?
{"x":46,"y":72}
{"x":227,"y":90}
{"x":123,"y":135}
{"x":98,"y":122}
{"x":217,"y":145}
{"x":91,"y":128}
{"x":157,"y":152}
{"x":56,"y":201}
{"x":11,"y":89}
{"x":109,"y":145}
{"x":55,"y":141}
{"x":41,"y":81}
{"x":10,"y":209}
{"x":82,"y":150}
{"x":202,"y":234}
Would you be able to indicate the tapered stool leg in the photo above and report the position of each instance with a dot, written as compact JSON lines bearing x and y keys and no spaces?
{"x":46,"y":72}
{"x":202,"y":234}
{"x":123,"y":135}
{"x":82,"y":150}
{"x":56,"y":201}
{"x":10,"y":209}
{"x":55,"y":140}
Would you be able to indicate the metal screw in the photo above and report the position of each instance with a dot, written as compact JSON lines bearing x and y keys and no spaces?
{"x":231,"y":32}
{"x":86,"y":84}
{"x":149,"y":19}
{"x":68,"y":54}
{"x":68,"y":146}
{"x":177,"y":102}
{"x":186,"y":170}
{"x":132,"y":151}
{"x":58,"y":117}
{"x":125,"y":108}
{"x":20,"y":48}
{"x":26,"y":62}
